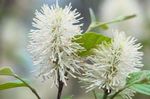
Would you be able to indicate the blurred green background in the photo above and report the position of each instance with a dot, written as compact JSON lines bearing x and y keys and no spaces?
{"x":15,"y":24}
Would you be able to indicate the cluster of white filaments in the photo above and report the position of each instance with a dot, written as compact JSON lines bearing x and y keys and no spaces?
{"x":112,"y":62}
{"x":51,"y":41}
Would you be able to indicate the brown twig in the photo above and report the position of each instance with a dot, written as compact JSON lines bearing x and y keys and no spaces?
{"x":60,"y":85}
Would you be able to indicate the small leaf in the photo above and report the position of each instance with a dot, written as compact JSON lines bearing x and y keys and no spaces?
{"x":120,"y":19}
{"x":92,"y":15}
{"x":89,"y":41}
{"x":141,"y":88}
{"x":123,"y":18}
{"x":104,"y":26}
{"x":11,"y":85}
{"x":6,"y":71}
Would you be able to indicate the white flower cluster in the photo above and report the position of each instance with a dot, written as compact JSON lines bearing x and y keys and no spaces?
{"x":112,"y":62}
{"x":54,"y":51}
{"x":51,"y":43}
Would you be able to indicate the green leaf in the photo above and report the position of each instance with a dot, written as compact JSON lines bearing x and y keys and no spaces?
{"x":6,"y":71}
{"x":121,"y":18}
{"x":104,"y":25}
{"x":67,"y":97}
{"x":141,"y":88}
{"x":124,"y":18}
{"x":11,"y":85}
{"x":137,"y":81}
{"x":89,"y":41}
{"x":142,"y":77}
{"x":140,"y":82}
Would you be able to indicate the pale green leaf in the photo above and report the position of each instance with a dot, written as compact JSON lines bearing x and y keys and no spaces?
{"x":141,"y":88}
{"x":9,"y":85}
{"x":140,"y":82}
{"x":142,"y":77}
{"x":6,"y":71}
{"x":89,"y":41}
{"x":104,"y":25}
{"x":119,"y":19}
{"x":92,"y":15}
{"x":123,"y":18}
{"x":137,"y":81}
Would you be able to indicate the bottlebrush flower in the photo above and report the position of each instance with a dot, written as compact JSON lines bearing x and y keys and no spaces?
{"x":51,"y":43}
{"x":112,"y":63}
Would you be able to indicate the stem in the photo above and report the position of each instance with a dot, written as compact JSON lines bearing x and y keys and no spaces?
{"x":93,"y":26}
{"x":60,"y":87}
{"x":96,"y":25}
{"x":115,"y":94}
{"x":94,"y":94}
{"x":32,"y":89}
{"x":106,"y":93}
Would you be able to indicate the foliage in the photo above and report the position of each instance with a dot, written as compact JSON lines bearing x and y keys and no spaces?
{"x":89,"y":41}
{"x":138,"y":81}
{"x":7,"y":71}
{"x":105,"y":25}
